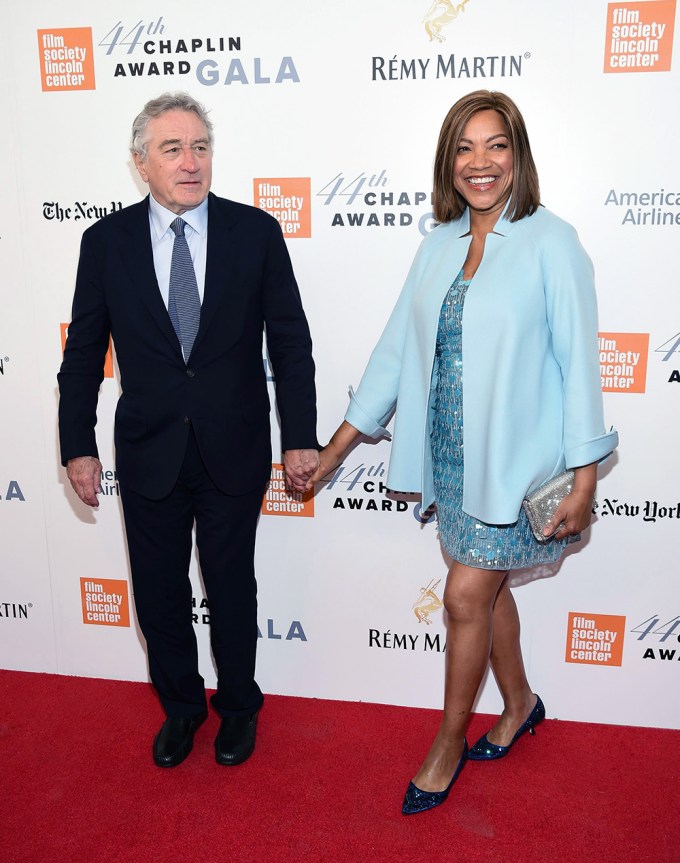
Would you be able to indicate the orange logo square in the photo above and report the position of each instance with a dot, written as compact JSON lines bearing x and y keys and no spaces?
{"x":277,"y":501}
{"x":108,"y":359}
{"x":639,"y":36}
{"x":289,"y":200}
{"x":105,"y":602}
{"x":595,"y":639}
{"x":66,"y":59}
{"x":623,"y":362}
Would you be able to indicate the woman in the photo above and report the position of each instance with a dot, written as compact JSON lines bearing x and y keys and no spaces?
{"x":490,"y":352}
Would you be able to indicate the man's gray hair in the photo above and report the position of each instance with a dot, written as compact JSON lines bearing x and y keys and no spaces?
{"x":156,"y":107}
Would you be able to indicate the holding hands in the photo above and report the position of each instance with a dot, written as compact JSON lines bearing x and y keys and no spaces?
{"x":334,"y":452}
{"x":300,"y":465}
{"x":329,"y":458}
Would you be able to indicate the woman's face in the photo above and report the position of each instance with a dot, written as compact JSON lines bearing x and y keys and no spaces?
{"x":482,"y":169}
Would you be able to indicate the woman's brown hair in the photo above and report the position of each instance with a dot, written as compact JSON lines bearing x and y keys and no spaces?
{"x":524,"y":195}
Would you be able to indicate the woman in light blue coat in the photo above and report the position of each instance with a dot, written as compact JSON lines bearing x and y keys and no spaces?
{"x":490,"y":362}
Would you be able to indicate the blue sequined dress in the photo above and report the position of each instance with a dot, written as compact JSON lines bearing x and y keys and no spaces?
{"x":467,"y":540}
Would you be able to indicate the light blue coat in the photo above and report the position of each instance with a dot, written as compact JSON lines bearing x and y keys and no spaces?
{"x":532,"y":400}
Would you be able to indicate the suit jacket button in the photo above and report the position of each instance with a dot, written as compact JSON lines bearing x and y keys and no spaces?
{"x":190,"y":373}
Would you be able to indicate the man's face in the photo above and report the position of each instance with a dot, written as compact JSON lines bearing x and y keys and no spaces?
{"x":178,"y":163}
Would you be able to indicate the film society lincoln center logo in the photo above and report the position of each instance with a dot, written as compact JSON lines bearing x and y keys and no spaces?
{"x":595,"y":639}
{"x":288,"y":199}
{"x":278,"y":501}
{"x":639,"y":36}
{"x":623,"y":362}
{"x":66,"y":59}
{"x":105,"y":601}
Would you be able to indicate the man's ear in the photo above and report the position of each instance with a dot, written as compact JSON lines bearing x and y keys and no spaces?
{"x":139,"y":164}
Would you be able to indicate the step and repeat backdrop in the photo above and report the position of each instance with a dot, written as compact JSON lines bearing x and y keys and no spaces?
{"x":328,"y":118}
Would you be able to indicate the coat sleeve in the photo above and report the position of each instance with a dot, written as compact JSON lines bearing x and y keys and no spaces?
{"x":82,"y":368}
{"x":289,"y":345}
{"x":372,"y":405}
{"x":572,"y":318}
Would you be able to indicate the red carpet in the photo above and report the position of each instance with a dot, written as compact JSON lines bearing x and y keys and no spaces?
{"x":325,"y":784}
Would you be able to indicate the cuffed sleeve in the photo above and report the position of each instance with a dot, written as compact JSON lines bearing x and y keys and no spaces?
{"x":572,"y":316}
{"x":359,"y":417}
{"x":595,"y":450}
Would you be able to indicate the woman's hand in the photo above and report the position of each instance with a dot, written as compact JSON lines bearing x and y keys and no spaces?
{"x":333,"y":453}
{"x":328,"y":459}
{"x":573,"y":515}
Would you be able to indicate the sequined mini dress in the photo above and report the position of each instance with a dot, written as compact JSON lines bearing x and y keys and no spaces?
{"x":466,"y":539}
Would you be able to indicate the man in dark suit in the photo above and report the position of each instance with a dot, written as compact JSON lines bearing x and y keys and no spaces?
{"x":186,"y":301}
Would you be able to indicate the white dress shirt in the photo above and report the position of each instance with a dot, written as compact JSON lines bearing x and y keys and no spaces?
{"x":163,"y":238}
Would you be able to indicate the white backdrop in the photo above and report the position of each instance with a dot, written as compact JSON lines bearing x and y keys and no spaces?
{"x":342,"y":108}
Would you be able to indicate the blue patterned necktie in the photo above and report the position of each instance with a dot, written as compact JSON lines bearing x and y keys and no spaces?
{"x":184,"y":302}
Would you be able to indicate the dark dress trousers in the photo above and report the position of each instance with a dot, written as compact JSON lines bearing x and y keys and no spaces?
{"x":192,"y":438}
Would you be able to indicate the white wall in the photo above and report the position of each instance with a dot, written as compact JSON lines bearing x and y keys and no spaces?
{"x":345,"y":580}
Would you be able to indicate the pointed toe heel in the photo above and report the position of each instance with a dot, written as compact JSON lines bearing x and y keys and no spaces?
{"x":417,"y":800}
{"x":485,"y":750}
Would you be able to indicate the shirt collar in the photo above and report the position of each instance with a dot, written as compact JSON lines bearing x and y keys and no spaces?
{"x":161,"y":218}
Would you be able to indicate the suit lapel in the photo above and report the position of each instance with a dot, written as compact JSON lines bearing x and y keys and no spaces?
{"x":220,"y":258}
{"x":137,"y":255}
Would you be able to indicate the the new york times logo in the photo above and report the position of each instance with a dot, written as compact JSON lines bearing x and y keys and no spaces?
{"x":56,"y":211}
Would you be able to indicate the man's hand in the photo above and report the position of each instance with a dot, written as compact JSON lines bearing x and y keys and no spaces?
{"x":85,"y":474}
{"x":300,"y":465}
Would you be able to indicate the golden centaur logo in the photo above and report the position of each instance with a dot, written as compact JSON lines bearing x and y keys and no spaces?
{"x":441,"y":13}
{"x":427,"y":603}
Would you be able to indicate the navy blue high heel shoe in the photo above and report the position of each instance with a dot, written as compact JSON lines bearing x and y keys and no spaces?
{"x":416,"y":800}
{"x":485,"y":750}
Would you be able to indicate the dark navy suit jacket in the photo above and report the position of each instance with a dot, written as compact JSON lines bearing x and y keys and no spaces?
{"x":222,"y":390}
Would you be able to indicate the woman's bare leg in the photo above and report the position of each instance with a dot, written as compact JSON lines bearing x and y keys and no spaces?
{"x":469,"y":600}
{"x":508,"y":669}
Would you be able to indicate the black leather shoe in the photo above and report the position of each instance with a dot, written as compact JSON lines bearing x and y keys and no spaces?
{"x":174,"y":741}
{"x":235,"y":740}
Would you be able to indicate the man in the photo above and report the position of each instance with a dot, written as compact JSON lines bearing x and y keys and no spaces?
{"x":186,"y":301}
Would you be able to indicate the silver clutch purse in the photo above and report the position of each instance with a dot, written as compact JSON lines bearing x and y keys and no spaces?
{"x":541,"y":504}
